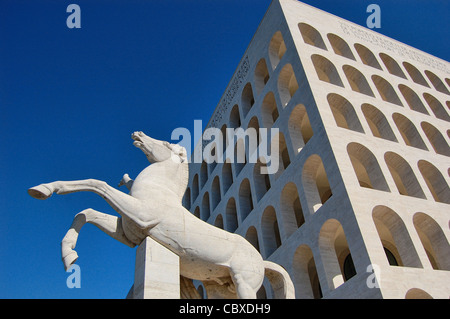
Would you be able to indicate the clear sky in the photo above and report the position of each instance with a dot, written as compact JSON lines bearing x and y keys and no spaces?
{"x":70,"y":99}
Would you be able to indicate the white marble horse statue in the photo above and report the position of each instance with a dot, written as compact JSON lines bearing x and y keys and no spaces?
{"x":226,"y":263}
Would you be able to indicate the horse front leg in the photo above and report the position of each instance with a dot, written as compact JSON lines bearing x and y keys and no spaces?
{"x":124,"y":204}
{"x":111,"y":225}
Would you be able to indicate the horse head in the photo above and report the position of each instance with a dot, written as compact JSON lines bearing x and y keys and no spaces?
{"x":158,"y":151}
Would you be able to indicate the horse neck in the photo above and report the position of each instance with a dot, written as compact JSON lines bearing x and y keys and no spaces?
{"x":178,"y":174}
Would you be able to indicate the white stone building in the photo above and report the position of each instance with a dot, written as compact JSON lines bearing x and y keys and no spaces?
{"x":363,"y":184}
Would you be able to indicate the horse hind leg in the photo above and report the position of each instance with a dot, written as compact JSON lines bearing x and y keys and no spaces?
{"x":109,"y":224}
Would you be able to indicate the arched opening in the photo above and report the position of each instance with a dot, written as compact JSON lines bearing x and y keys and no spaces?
{"x":437,"y":82}
{"x":187,"y":199}
{"x":261,"y":181}
{"x":413,"y":100}
{"x":378,"y":123}
{"x":340,"y":47}
{"x":299,"y":126}
{"x":277,"y":48}
{"x":366,"y":167}
{"x":326,"y":71}
{"x":203,"y":174}
{"x":315,"y":183}
{"x":269,"y":110}
{"x":311,"y":36}
{"x":335,"y":253}
{"x":235,"y":119}
{"x":415,"y":74}
{"x":197,"y":212}
{"x":247,"y":99}
{"x":306,"y":281}
{"x":435,"y":182}
{"x":436,"y":107}
{"x":392,"y":65}
{"x":270,"y":231}
{"x":291,"y":209}
{"x":219,"y":221}
{"x":261,"y":76}
{"x":344,"y":113}
{"x":283,"y":154}
{"x":395,"y":239}
{"x":386,"y":90}
{"x":206,"y":209}
{"x":215,"y":192}
{"x":195,"y":189}
{"x":357,"y":81}
{"x":408,"y":131}
{"x":239,"y":156}
{"x":367,"y":57}
{"x":403,"y":176}
{"x":433,"y":241}
{"x":436,"y":139}
{"x":252,"y":236}
{"x":287,"y":84}
{"x":231,"y":216}
{"x":245,"y":199}
{"x":227,"y":177}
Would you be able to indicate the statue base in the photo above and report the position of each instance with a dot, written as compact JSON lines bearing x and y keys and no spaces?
{"x":156,"y":274}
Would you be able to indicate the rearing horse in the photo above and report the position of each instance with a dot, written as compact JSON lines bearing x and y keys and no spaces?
{"x":153,"y":208}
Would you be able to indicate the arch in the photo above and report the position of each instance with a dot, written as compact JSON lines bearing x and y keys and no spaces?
{"x":416,"y":293}
{"x":326,"y":71}
{"x":415,"y":74}
{"x":436,"y":139}
{"x":261,"y":181}
{"x":269,"y":110}
{"x":227,"y":177}
{"x":247,"y":99}
{"x":215,"y":193}
{"x":261,"y":76}
{"x":235,"y":119}
{"x":344,"y":113}
{"x":436,"y":107}
{"x":334,"y":251}
{"x":315,"y":183}
{"x":195,"y":188}
{"x":413,"y":100}
{"x":218,"y":222}
{"x":340,"y":47}
{"x":283,"y":153}
{"x":270,"y":231}
{"x":299,"y":127}
{"x":203,"y":174}
{"x":239,"y":159}
{"x":206,"y":209}
{"x":306,"y":280}
{"x":403,"y":175}
{"x":197,"y":212}
{"x":395,"y":239}
{"x":252,"y":236}
{"x":386,"y":90}
{"x":245,"y":199}
{"x":287,"y":84}
{"x":357,"y":81}
{"x":409,"y":132}
{"x":367,"y":57}
{"x":435,"y":182}
{"x":437,"y":82}
{"x":291,"y":209}
{"x":277,"y":49}
{"x":378,"y":123}
{"x":392,"y":65}
{"x":366,"y":167}
{"x":433,"y":241}
{"x":311,"y":36}
{"x":231,"y":216}
{"x":187,"y":199}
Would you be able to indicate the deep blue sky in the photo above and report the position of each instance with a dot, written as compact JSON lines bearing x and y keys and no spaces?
{"x":70,"y":99}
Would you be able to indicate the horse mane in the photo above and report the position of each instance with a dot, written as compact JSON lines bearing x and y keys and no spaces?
{"x":180,"y":151}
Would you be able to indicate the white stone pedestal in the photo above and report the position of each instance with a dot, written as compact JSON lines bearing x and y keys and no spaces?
{"x":157,"y":272}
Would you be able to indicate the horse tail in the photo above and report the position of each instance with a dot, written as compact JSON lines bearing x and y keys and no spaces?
{"x":280,"y":280}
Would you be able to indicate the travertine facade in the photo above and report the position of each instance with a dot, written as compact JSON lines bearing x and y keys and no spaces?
{"x":364,"y":159}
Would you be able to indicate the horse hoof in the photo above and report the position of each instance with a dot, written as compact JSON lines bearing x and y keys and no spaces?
{"x":70,"y":259}
{"x":40,"y":192}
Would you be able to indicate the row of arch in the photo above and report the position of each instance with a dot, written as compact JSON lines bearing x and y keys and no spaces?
{"x":337,"y":261}
{"x":313,"y":37}
{"x":346,"y":117}
{"x":326,"y":71}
